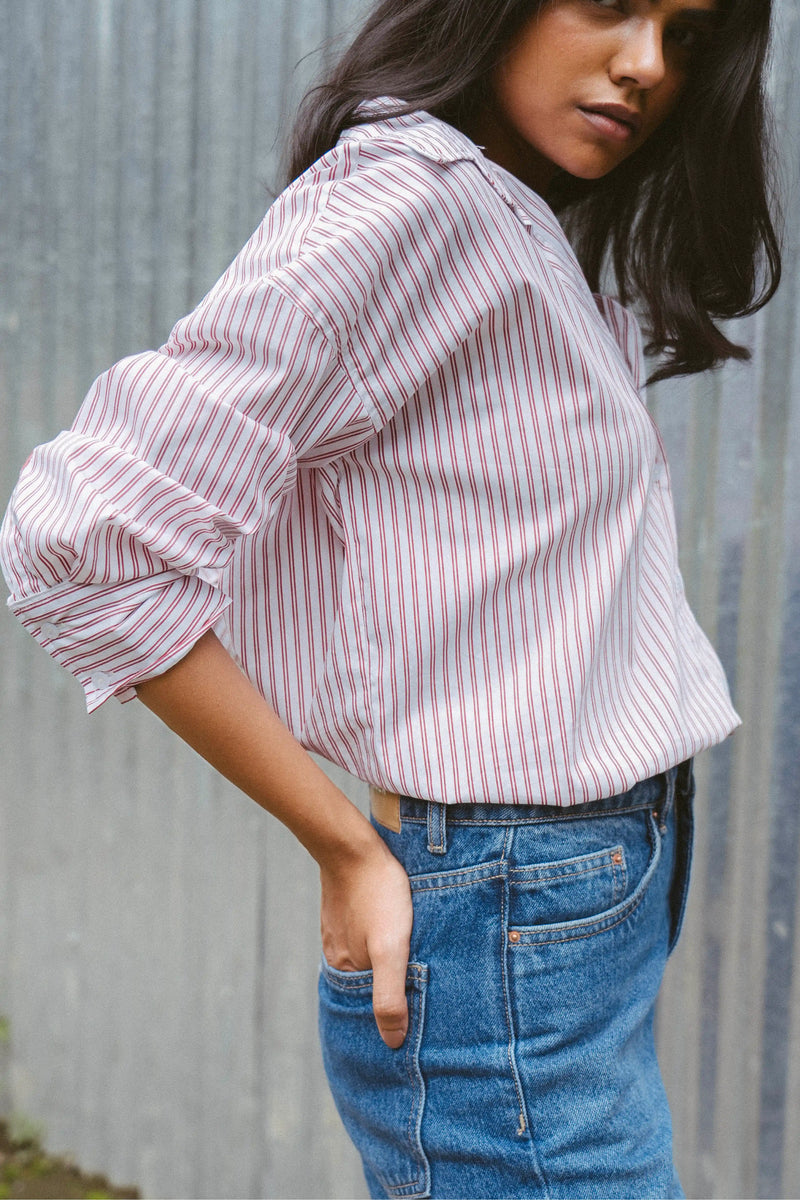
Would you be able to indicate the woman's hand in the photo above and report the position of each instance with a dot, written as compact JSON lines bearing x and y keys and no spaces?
{"x":366,"y":896}
{"x":366,"y":923}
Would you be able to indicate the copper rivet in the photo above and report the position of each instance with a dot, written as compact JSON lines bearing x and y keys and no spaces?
{"x":616,"y":857}
{"x":513,"y":936}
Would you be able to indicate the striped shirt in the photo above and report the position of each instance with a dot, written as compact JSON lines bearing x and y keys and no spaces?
{"x":398,"y":459}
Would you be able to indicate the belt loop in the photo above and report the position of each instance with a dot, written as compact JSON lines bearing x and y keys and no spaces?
{"x":437,"y":828}
{"x":685,"y":779}
{"x":671,"y":781}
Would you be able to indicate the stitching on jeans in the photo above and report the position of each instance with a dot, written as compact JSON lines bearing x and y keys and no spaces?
{"x":439,"y":887}
{"x":334,"y":981}
{"x":414,"y":969}
{"x":523,"y":1114}
{"x":568,"y":816}
{"x":575,"y":862}
{"x":538,"y":1168}
{"x":467,"y":883}
{"x":413,"y":1084}
{"x":578,"y":937}
{"x":422,"y":1186}
{"x":549,"y":877}
{"x":474,"y":871}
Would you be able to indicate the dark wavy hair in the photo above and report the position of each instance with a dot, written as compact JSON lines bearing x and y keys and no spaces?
{"x":686,"y":221}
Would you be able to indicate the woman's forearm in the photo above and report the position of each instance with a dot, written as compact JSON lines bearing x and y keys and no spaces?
{"x":211,"y":704}
{"x":366,"y":900}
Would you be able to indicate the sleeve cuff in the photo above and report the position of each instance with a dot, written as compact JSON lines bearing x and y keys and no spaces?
{"x":112,"y":637}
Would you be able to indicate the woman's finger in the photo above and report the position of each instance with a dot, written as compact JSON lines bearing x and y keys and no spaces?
{"x":389,"y":1002}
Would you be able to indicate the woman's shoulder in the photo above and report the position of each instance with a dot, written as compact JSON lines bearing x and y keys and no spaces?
{"x":387,"y":203}
{"x":417,"y":133}
{"x":414,"y":169}
{"x":407,"y":209}
{"x":396,"y":170}
{"x":387,"y":167}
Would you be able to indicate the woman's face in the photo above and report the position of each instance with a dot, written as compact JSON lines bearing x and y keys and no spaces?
{"x":586,"y":82}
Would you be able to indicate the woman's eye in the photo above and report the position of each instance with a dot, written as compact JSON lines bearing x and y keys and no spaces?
{"x":607,"y":3}
{"x":686,"y":37}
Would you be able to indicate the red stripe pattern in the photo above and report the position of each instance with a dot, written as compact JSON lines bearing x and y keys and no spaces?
{"x":398,"y":458}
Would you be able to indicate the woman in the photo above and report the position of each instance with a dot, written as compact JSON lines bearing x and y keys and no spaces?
{"x":396,"y":463}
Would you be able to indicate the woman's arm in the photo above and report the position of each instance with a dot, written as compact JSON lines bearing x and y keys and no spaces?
{"x":366,"y":898}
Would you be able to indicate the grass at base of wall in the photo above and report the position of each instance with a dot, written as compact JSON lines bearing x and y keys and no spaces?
{"x":27,"y":1172}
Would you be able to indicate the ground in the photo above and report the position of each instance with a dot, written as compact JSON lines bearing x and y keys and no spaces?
{"x":27,"y":1172}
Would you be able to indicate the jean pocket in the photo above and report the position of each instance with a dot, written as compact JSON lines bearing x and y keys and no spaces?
{"x":551,"y":893}
{"x":379,"y":1092}
{"x":586,"y":894}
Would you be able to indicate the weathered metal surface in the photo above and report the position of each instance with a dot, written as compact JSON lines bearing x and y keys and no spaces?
{"x":158,"y":943}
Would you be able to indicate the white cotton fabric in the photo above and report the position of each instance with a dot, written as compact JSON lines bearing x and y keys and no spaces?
{"x":398,"y":458}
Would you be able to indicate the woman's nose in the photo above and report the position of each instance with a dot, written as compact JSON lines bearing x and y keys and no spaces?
{"x":639,"y":57}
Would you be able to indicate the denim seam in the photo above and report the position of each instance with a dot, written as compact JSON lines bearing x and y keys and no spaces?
{"x":549,"y":876}
{"x":415,"y":970}
{"x":512,"y":1033}
{"x":578,"y":937}
{"x":567,"y":816}
{"x":478,"y":877}
{"x":510,"y":1049}
{"x":442,"y":887}
{"x":469,"y":874}
{"x":411,"y":1079}
{"x":415,"y":1189}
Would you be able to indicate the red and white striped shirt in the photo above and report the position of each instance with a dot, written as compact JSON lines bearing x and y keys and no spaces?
{"x":398,"y":459}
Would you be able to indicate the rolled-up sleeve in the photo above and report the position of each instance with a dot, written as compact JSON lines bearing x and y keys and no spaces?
{"x":118,"y":534}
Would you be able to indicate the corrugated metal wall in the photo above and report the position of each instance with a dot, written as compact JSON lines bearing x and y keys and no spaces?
{"x":158,"y":941}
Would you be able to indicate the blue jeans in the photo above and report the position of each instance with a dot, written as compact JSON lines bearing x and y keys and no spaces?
{"x":540,"y":938}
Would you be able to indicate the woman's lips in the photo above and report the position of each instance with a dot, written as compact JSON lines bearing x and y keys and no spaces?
{"x":619,"y":126}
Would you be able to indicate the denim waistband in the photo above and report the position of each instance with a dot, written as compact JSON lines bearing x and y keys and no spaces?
{"x":657,"y":792}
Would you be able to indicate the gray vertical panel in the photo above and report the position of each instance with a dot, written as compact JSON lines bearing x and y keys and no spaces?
{"x":690,"y":420}
{"x":175,"y":290}
{"x":780,"y":1147}
{"x":743,"y":980}
{"x":791,"y":1144}
{"x":729,"y":1010}
{"x":158,"y":929}
{"x":779,"y":1161}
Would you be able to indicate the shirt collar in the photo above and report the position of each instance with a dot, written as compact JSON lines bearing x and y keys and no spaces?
{"x":443,"y":143}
